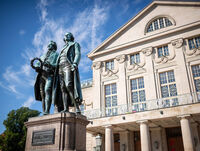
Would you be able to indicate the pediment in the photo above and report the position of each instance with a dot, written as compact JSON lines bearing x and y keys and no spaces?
{"x":135,"y":29}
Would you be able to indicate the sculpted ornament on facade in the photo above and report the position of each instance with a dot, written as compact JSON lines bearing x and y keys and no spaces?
{"x":96,"y":65}
{"x":121,"y":58}
{"x":177,"y":43}
{"x":135,"y":66}
{"x":147,"y":51}
{"x":164,"y":59}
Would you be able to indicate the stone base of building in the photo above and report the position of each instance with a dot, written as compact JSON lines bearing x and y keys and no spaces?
{"x":57,"y":132}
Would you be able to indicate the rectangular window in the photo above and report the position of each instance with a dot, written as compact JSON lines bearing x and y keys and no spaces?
{"x":196,"y":76}
{"x":194,"y":42}
{"x":138,"y":95}
{"x":135,"y":58}
{"x":110,"y":65}
{"x":111,"y":99}
{"x":163,"y":51}
{"x":168,"y":88}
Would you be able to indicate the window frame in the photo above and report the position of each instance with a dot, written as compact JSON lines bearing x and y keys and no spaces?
{"x":165,"y":19}
{"x":111,"y":110}
{"x":163,"y":52}
{"x":111,"y":65}
{"x":196,"y":45}
{"x":137,"y":60}
{"x":169,"y":100}
{"x":195,"y":78}
{"x":139,"y":105}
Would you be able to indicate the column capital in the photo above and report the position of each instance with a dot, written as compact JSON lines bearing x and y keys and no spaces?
{"x":184,"y":116}
{"x":142,"y":122}
{"x":108,"y":126}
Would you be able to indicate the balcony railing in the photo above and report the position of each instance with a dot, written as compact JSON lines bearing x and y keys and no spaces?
{"x":86,"y":83}
{"x":147,"y":105}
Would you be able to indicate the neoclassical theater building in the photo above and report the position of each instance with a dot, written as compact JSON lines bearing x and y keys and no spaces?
{"x":145,"y":90}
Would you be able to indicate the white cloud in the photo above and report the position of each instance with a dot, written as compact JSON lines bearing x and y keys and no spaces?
{"x":11,"y":88}
{"x":43,"y":10}
{"x":26,"y":69}
{"x":15,"y":80}
{"x":10,"y":75}
{"x":85,"y":25}
{"x":29,"y":102}
{"x":99,"y":17}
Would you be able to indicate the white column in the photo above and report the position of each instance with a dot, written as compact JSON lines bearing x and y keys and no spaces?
{"x":186,"y":133}
{"x":109,"y":141}
{"x":144,"y":136}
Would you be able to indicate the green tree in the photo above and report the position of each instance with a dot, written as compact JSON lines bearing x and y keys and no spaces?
{"x":14,"y":137}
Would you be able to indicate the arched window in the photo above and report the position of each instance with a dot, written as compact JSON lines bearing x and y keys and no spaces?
{"x":159,"y":23}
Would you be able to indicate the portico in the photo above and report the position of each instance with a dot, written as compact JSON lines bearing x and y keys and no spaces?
{"x":152,"y":131}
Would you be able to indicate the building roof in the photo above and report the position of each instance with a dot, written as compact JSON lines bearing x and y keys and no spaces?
{"x":96,"y":51}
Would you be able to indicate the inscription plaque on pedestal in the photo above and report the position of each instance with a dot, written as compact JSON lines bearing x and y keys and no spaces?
{"x":45,"y":137}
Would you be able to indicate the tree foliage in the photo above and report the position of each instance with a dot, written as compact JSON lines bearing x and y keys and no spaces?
{"x":14,"y":137}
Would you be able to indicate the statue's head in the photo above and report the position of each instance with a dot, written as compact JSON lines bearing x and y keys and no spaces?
{"x":68,"y":37}
{"x":52,"y":45}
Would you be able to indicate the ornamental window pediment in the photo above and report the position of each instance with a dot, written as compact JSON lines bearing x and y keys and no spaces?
{"x":158,"y":23}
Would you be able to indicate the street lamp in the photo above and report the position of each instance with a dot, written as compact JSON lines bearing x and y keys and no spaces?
{"x":98,"y":142}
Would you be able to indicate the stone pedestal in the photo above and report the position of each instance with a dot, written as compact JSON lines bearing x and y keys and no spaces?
{"x":57,"y":132}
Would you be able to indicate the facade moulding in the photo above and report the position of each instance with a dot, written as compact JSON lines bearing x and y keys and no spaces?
{"x":97,"y":65}
{"x":177,"y":43}
{"x":147,"y":51}
{"x":121,"y":58}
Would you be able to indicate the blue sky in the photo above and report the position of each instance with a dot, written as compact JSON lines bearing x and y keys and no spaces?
{"x":28,"y":25}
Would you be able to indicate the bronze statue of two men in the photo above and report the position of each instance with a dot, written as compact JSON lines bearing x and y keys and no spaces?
{"x":58,"y":79}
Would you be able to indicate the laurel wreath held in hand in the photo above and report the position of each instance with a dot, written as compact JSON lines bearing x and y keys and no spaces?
{"x":32,"y":63}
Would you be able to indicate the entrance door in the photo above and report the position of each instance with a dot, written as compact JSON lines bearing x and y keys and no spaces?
{"x":116,"y":142}
{"x":137,"y":142}
{"x":174,"y":139}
